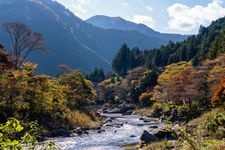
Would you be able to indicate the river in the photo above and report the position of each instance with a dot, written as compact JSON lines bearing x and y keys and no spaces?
{"x":117,"y":131}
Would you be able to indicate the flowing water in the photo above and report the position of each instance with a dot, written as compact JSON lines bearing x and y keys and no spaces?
{"x":116,"y":132}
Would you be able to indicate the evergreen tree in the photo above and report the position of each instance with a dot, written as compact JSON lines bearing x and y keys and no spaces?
{"x":121,"y":62}
{"x":136,"y":58}
{"x":97,"y":75}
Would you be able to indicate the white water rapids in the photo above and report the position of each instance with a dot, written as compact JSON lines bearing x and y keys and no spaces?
{"x":117,"y":132}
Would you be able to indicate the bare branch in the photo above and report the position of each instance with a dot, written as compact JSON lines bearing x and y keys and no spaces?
{"x":23,"y":41}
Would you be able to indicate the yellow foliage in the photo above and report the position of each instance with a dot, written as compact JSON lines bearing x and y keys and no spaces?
{"x":182,"y":77}
{"x":161,"y":90}
{"x":172,"y":70}
{"x":79,"y":91}
{"x":77,"y":119}
{"x":27,"y":96}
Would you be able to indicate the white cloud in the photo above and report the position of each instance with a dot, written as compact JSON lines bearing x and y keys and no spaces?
{"x":184,"y":18}
{"x":79,"y":7}
{"x":149,"y":8}
{"x":143,"y":19}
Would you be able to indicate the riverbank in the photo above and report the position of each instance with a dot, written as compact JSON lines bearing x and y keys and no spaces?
{"x":204,"y":132}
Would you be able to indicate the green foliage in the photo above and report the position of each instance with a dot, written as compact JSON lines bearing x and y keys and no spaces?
{"x":11,"y":137}
{"x":209,"y":43}
{"x":50,"y":146}
{"x":121,"y":62}
{"x":216,"y":125}
{"x":96,"y":76}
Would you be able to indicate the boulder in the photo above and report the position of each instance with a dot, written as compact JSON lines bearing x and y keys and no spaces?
{"x":147,"y":137}
{"x":128,"y":112}
{"x":165,"y":134}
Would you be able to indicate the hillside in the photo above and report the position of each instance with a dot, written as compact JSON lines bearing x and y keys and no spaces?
{"x":70,"y":40}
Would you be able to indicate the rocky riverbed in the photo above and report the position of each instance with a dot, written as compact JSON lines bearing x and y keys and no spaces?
{"x":116,"y":132}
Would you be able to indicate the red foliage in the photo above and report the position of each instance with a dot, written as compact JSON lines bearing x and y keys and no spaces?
{"x":219,"y":94}
{"x":5,"y":60}
{"x":65,"y":69}
{"x":188,"y":86}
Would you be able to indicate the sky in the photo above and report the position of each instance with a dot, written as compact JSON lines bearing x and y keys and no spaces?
{"x":168,"y":16}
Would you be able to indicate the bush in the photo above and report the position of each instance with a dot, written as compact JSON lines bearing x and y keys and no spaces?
{"x":187,"y":112}
{"x":216,"y":125}
{"x":27,"y":96}
{"x":11,"y":136}
{"x":219,"y":94}
{"x":145,"y":99}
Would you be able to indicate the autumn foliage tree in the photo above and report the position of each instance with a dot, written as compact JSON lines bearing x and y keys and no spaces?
{"x":23,"y":42}
{"x":219,"y":94}
{"x":79,"y":90}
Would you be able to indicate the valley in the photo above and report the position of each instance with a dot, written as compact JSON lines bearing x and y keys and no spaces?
{"x":107,"y":83}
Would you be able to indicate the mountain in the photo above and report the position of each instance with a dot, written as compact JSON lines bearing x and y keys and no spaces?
{"x":125,"y":25}
{"x":70,"y":40}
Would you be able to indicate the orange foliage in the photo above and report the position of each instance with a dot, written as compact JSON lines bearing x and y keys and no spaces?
{"x":219,"y":94}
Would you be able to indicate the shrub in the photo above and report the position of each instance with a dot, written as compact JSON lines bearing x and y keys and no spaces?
{"x":145,"y":99}
{"x":219,"y":94}
{"x":216,"y":125}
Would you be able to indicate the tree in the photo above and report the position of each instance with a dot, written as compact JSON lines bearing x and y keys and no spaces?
{"x":121,"y":62}
{"x":136,"y":58}
{"x":97,"y":75}
{"x":218,"y":47}
{"x":79,"y":91}
{"x":23,"y":42}
{"x":219,"y":94}
{"x":5,"y":60}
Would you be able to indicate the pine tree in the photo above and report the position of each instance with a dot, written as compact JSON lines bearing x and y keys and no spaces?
{"x":121,"y":62}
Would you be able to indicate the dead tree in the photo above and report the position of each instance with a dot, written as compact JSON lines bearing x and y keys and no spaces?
{"x":23,"y":42}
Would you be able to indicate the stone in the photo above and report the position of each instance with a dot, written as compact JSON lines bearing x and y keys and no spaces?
{"x":129,"y":112}
{"x":100,"y":131}
{"x":148,"y":137}
{"x":154,"y":127}
{"x":166,"y":135}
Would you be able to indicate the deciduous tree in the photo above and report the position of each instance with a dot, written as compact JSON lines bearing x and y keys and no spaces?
{"x":23,"y":41}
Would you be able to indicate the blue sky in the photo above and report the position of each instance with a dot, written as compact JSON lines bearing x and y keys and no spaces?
{"x":171,"y":16}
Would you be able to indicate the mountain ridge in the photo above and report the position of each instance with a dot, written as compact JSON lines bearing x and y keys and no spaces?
{"x":120,"y":23}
